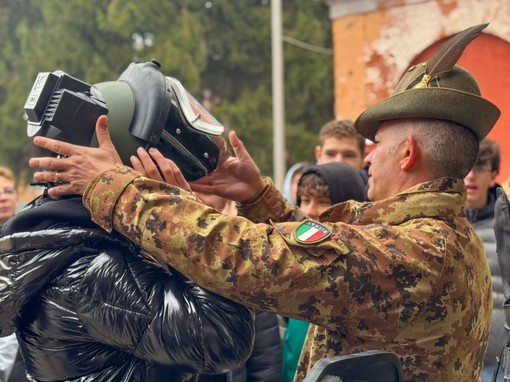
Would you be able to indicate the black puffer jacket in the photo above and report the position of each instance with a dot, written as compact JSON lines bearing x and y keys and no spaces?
{"x":265,"y":362}
{"x":86,"y":306}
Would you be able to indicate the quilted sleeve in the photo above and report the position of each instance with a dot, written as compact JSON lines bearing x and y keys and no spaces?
{"x":144,"y":308}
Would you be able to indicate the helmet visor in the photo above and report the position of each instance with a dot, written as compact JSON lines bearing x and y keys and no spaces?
{"x":194,"y":113}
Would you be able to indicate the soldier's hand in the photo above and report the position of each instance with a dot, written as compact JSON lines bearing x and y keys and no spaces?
{"x":502,"y":232}
{"x":78,"y":165}
{"x":238,"y":178}
{"x":154,"y":165}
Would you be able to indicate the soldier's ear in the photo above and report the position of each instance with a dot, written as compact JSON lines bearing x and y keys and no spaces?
{"x":409,"y":153}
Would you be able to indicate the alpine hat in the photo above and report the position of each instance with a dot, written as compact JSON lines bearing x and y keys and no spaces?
{"x":450,"y":94}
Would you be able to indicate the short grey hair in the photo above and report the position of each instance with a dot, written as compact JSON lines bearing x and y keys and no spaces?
{"x":449,"y":149}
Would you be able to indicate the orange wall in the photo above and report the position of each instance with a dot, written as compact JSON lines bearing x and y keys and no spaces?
{"x":373,"y":49}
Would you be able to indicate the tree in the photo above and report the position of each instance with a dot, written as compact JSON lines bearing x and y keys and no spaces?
{"x":219,"y":46}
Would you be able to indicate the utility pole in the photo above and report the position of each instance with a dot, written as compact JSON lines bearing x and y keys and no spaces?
{"x":278,"y":97}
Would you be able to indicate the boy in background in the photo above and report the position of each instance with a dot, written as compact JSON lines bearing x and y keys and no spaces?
{"x":481,"y":188}
{"x":8,"y":195}
{"x":340,"y":142}
{"x":11,"y":363}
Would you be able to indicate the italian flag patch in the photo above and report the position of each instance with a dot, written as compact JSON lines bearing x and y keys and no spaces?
{"x":311,"y":232}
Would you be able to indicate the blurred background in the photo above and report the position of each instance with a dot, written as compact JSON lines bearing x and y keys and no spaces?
{"x":338,"y":57}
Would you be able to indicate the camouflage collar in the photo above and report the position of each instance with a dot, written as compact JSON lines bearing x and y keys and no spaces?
{"x":442,"y":198}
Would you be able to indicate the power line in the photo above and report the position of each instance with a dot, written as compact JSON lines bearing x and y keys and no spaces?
{"x":304,"y":45}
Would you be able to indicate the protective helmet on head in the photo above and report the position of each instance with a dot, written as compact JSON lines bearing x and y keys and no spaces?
{"x":144,"y":108}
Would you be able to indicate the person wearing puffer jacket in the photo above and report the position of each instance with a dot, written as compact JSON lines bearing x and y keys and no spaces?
{"x":265,"y":362}
{"x":481,"y":189}
{"x":87,"y":306}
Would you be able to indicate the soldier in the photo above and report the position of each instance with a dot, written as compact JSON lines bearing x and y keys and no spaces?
{"x":404,"y":273}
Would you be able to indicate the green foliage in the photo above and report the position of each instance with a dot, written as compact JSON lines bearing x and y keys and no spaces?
{"x":219,"y":46}
{"x":250,"y":117}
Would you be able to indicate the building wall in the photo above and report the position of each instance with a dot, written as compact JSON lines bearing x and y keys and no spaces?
{"x":375,"y":41}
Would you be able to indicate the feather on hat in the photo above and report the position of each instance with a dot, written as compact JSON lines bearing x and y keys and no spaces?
{"x":437,"y":89}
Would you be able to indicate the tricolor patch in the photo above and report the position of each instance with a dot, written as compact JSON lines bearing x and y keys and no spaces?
{"x":311,"y":232}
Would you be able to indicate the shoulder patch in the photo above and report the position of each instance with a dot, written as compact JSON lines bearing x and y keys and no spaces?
{"x":311,"y":232}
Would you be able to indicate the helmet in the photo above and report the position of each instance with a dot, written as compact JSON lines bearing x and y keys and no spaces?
{"x":144,"y":108}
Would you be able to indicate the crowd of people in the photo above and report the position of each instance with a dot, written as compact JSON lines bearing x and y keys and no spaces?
{"x":125,"y":271}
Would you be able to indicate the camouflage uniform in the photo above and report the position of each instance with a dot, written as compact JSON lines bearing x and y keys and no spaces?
{"x":406,"y":274}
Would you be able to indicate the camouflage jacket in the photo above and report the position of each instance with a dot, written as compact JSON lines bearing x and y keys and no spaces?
{"x":406,"y":274}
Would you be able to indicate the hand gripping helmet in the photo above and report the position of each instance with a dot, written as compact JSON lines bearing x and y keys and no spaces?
{"x":144,"y":108}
